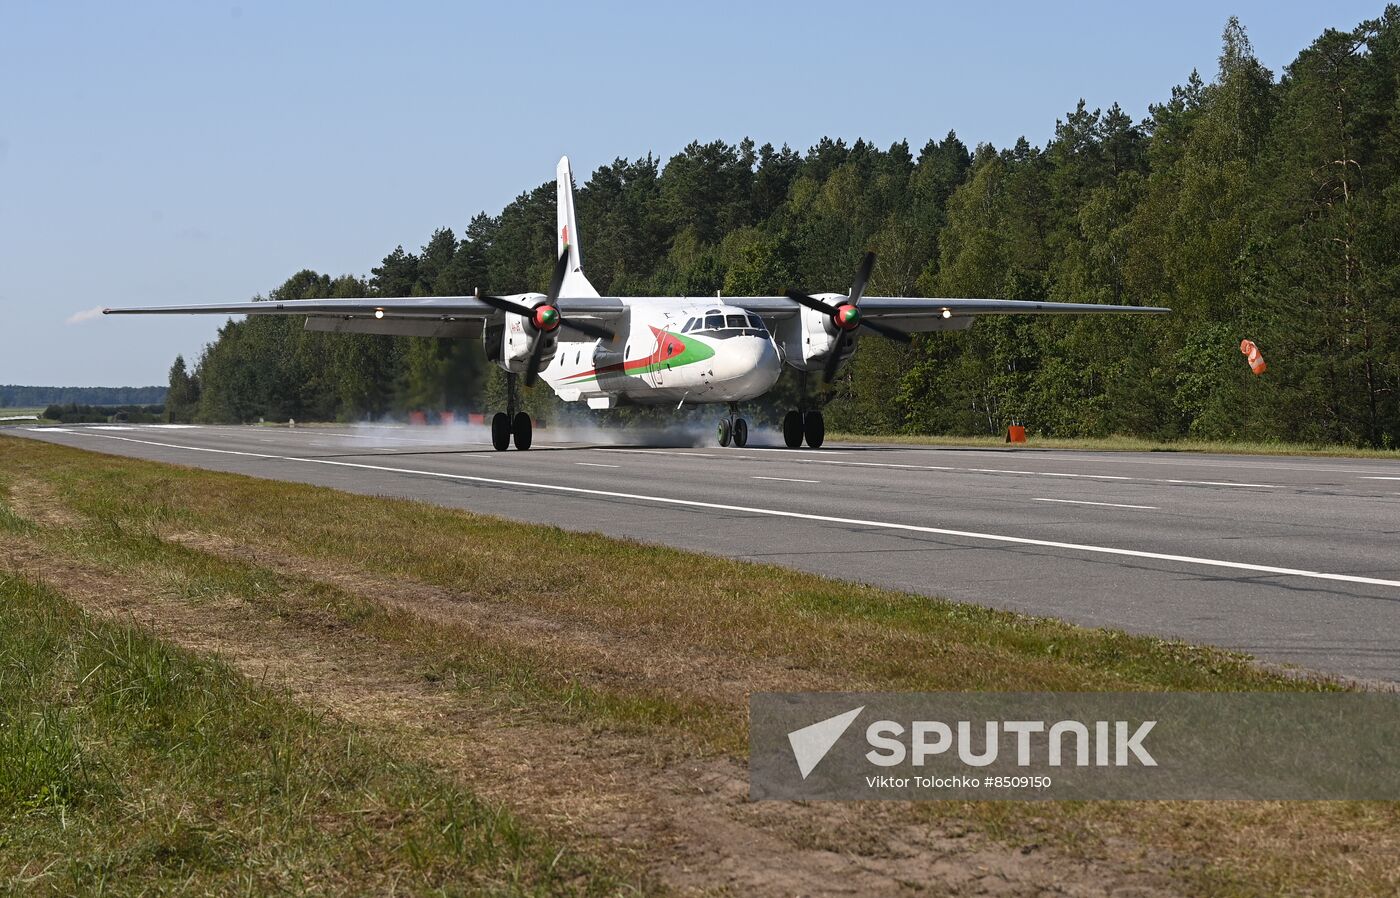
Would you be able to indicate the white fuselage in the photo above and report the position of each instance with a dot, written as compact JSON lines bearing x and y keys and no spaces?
{"x":669,"y":350}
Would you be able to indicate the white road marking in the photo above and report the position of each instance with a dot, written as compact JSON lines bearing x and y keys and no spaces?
{"x":594,"y":464}
{"x":795,"y":515}
{"x":1262,"y":486}
{"x":1363,"y":478}
{"x":48,"y":430}
{"x":786,"y":479}
{"x":1087,"y":502}
{"x":656,"y":452}
{"x":785,"y":450}
{"x":886,"y":464}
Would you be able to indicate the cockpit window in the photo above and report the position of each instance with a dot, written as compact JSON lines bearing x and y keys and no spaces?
{"x":737,"y":321}
{"x":689,"y":326}
{"x":714,"y":322}
{"x":755,"y":321}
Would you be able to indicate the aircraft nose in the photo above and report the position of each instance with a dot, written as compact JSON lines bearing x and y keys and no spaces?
{"x":756,"y":363}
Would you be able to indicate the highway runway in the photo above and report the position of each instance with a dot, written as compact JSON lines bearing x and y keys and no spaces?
{"x":1292,"y":559}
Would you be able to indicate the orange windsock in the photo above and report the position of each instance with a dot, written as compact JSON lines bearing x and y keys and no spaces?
{"x":1256,"y":358}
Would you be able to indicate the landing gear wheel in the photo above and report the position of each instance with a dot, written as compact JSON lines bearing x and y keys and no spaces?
{"x":524,"y":430}
{"x":792,"y":429}
{"x":500,"y":431}
{"x":814,"y":428}
{"x":725,"y":431}
{"x":741,"y":432}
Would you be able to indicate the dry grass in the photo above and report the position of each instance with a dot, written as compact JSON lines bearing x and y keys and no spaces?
{"x":465,"y":636}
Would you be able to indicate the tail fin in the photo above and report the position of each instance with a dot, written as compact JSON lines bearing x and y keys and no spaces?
{"x":575,"y":284}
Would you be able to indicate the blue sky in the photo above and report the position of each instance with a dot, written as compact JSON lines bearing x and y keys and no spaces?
{"x":198,"y":152}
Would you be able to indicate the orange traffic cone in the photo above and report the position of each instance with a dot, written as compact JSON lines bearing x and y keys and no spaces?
{"x":1256,"y":358}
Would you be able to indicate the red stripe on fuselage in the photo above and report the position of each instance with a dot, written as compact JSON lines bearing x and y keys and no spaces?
{"x":664,"y":339}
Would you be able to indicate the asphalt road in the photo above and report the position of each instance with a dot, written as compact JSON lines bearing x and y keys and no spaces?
{"x":1295,"y":560}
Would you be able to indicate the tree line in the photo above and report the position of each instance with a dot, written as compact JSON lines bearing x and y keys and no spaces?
{"x":1255,"y":206}
{"x":75,"y":413}
{"x":17,"y":396}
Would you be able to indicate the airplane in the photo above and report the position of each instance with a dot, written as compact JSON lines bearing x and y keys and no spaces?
{"x":608,"y":351}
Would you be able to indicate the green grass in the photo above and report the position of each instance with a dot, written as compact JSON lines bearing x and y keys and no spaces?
{"x":128,"y":767}
{"x":1122,"y":444}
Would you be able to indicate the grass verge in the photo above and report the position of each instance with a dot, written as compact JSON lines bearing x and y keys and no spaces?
{"x":130,"y":767}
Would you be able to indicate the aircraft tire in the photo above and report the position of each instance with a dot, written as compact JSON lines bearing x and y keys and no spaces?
{"x":524,"y":430}
{"x":725,"y":431}
{"x":741,"y":432}
{"x":792,"y":429}
{"x":500,"y":431}
{"x":814,"y":428}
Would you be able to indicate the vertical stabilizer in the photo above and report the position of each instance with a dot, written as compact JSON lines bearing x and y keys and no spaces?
{"x":575,"y":284}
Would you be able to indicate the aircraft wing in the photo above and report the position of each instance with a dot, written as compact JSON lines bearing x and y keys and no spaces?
{"x":894,"y":307}
{"x":936,"y":313}
{"x":412,"y":316}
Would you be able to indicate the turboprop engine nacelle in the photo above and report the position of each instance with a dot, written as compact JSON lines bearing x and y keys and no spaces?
{"x":807,"y":338}
{"x":508,"y":342}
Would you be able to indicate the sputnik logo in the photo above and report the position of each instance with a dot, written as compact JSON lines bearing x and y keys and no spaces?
{"x":811,"y":743}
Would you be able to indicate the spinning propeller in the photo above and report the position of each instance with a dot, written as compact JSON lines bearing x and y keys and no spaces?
{"x":545,"y":317}
{"x":845,"y":315}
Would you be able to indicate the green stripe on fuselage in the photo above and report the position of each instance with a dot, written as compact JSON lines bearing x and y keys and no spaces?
{"x":693,"y":350}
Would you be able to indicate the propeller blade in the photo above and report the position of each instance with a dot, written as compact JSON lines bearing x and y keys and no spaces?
{"x":834,"y":359}
{"x":889,"y":333}
{"x":556,"y":280}
{"x":506,"y":305}
{"x":587,"y":327}
{"x":867,"y":264}
{"x":532,"y":371}
{"x":811,"y":302}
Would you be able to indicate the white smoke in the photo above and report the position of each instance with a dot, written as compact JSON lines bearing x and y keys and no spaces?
{"x":85,"y":315}
{"x":693,"y":430}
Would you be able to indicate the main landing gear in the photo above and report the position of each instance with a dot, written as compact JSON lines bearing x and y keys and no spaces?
{"x":804,"y":425}
{"x":799,"y":425}
{"x":733,"y":428}
{"x":511,"y":423}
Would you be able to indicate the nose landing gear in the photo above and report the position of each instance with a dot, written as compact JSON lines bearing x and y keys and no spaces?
{"x":733,"y":429}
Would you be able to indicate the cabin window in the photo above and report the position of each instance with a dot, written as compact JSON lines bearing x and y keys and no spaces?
{"x":714,"y":322}
{"x":737,"y":321}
